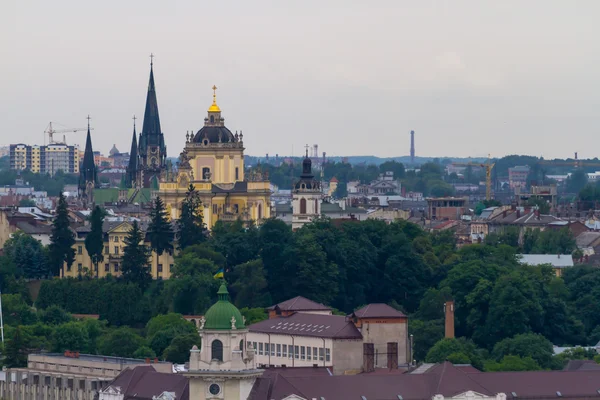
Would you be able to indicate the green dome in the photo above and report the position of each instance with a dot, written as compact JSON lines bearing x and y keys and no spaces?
{"x":219,"y":315}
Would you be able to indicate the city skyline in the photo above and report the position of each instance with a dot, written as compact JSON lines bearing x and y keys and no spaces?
{"x":468,"y":78}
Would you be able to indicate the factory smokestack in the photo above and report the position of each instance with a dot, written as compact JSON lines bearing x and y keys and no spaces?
{"x":412,"y":147}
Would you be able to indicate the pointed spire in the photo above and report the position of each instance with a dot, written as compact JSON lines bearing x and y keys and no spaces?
{"x":88,"y":167}
{"x":214,"y":107}
{"x":151,"y":126}
{"x":132,"y":167}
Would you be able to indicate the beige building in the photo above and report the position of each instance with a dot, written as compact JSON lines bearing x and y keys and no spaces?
{"x":114,"y":248}
{"x":213,"y":162}
{"x":47,"y":159}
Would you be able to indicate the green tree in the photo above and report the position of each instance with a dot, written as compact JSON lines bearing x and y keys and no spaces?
{"x":275,"y":238}
{"x":190,"y":224}
{"x":70,"y":336}
{"x":94,"y":241}
{"x":28,"y":256}
{"x":179,"y":349}
{"x":576,"y":181}
{"x":26,"y":203}
{"x":160,"y":231}
{"x":526,"y":345}
{"x":62,"y":238}
{"x":135,"y":258}
{"x":254,"y":315}
{"x":144,"y":352}
{"x":249,"y":285}
{"x":54,"y":315}
{"x":172,"y":321}
{"x":394,"y":166}
{"x":444,"y":348}
{"x":17,"y":348}
{"x":513,"y":363}
{"x":425,"y":335}
{"x":121,"y":342}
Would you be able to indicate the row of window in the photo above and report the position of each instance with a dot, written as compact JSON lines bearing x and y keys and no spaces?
{"x":305,"y":353}
{"x":206,"y":174}
{"x":116,"y":267}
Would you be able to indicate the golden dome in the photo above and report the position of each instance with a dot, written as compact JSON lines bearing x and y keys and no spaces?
{"x":214,"y":107}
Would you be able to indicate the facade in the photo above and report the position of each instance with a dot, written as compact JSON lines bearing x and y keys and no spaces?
{"x":148,"y":165}
{"x":45,"y":159}
{"x":213,"y":162}
{"x":146,"y":383}
{"x":302,"y":333}
{"x":224,"y":366}
{"x":306,"y":196}
{"x":517,"y":176}
{"x":447,"y":207}
{"x":114,"y":245}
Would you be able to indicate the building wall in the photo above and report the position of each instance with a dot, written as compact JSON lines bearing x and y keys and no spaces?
{"x":380,"y":332}
{"x":273,"y":358}
{"x":347,"y":356}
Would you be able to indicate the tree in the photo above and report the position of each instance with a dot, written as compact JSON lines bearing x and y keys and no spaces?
{"x":172,"y":321}
{"x":526,"y":345}
{"x":513,"y":363}
{"x":70,"y":336}
{"x":121,"y":342}
{"x":144,"y":352}
{"x":254,"y":315}
{"x":135,"y":258}
{"x":16,"y":350}
{"x":576,"y":181}
{"x":62,"y":238}
{"x":94,"y":241}
{"x":249,"y":285}
{"x":160,"y":230}
{"x":54,"y":315}
{"x":26,"y":203}
{"x":179,"y":349}
{"x":426,"y":334}
{"x":445,"y":348}
{"x":190,"y":225}
{"x":28,"y":256}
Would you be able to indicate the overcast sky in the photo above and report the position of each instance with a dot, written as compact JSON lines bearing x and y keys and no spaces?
{"x":470,"y":77}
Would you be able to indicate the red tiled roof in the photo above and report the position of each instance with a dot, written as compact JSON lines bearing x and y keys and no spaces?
{"x":378,"y":310}
{"x":314,"y":325}
{"x":300,"y":303}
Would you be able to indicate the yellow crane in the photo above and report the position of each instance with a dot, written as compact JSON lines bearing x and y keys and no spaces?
{"x":488,"y":166}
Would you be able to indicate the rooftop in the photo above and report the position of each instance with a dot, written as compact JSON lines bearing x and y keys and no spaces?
{"x":556,"y":260}
{"x":314,"y":325}
{"x":300,"y":303}
{"x":378,"y":310}
{"x":145,"y":383}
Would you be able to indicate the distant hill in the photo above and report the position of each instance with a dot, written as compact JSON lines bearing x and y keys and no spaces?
{"x":376,"y":160}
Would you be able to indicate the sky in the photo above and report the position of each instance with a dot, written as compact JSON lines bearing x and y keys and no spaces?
{"x":471,"y":78}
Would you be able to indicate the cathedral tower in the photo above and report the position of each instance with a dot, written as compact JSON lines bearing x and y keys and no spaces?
{"x":306,"y":196}
{"x":132,"y":168}
{"x":88,"y":176}
{"x":152,"y":151}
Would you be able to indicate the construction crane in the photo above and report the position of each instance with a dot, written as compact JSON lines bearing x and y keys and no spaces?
{"x":488,"y":166}
{"x":51,"y":131}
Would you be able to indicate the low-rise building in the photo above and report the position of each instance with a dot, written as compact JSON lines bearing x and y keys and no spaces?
{"x":447,"y":207}
{"x":558,"y":261}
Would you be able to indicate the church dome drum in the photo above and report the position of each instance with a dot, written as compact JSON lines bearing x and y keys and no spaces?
{"x":220,"y":314}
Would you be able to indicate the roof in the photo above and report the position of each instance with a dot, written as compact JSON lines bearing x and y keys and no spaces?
{"x":582,"y":365}
{"x":300,"y":303}
{"x":378,"y":310}
{"x":34,"y":229}
{"x":444,"y":379}
{"x":556,"y":260}
{"x":313,"y":325}
{"x":587,"y":239}
{"x":223,"y":314}
{"x":214,"y":134}
{"x":144,"y":383}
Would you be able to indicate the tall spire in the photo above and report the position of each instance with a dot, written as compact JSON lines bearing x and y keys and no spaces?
{"x":133,"y":159}
{"x":214,"y":107}
{"x":87,"y":173}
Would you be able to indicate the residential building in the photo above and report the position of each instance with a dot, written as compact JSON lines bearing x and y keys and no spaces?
{"x":447,"y":207}
{"x":47,"y":159}
{"x":213,"y":162}
{"x":384,"y":184}
{"x":517,"y":176}
{"x":114,"y":248}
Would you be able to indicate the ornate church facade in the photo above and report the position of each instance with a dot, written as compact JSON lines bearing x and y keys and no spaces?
{"x":213,"y":162}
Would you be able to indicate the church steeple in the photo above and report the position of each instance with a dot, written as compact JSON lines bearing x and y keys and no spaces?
{"x":151,"y":127}
{"x":133,"y":160}
{"x":87,"y":175}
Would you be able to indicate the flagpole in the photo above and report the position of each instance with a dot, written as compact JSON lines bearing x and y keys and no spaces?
{"x":1,"y":321}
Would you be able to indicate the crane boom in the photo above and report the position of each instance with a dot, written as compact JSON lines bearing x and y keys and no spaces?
{"x":488,"y":174}
{"x":51,"y":131}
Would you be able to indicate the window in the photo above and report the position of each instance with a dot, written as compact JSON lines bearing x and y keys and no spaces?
{"x":260,"y":349}
{"x":260,"y":211}
{"x":217,"y":350}
{"x":79,"y":267}
{"x":159,"y":268}
{"x":79,"y":249}
{"x":285,"y":350}
{"x":327,"y":354}
{"x":296,"y":352}
{"x":106,"y":250}
{"x":236,"y":208}
{"x":320,"y":354}
{"x":116,"y":267}
{"x":315,"y":353}
{"x":116,"y":249}
{"x":68,"y":268}
{"x":278,"y":350}
{"x":116,"y":238}
{"x":272,"y":350}
{"x":106,"y":268}
{"x":303,"y":353}
{"x":266,"y":349}
{"x":242,"y":345}
{"x":170,"y":267}
{"x":237,"y":173}
{"x":206,"y":173}
{"x":212,"y":119}
{"x":302,"y":206}
{"x":308,"y":353}
{"x":215,"y":208}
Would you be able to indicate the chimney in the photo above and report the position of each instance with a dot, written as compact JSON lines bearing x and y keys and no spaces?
{"x":449,"y":313}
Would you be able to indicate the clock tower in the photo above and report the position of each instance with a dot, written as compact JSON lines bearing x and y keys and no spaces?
{"x":224,"y":366}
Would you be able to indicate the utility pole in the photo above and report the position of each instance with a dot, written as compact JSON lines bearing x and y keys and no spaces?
{"x":1,"y":321}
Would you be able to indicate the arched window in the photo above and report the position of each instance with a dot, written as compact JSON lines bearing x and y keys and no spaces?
{"x":316,"y":206}
{"x":217,"y":350}
{"x":205,"y":173}
{"x":260,"y":211}
{"x":302,"y":206}
{"x":212,"y":119}
{"x":242,"y":347}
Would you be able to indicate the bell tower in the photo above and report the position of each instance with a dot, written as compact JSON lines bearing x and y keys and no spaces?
{"x":306,"y":196}
{"x":224,"y":367}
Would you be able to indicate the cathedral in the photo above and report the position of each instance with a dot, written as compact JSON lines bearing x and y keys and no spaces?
{"x":213,"y":161}
{"x":148,"y":156}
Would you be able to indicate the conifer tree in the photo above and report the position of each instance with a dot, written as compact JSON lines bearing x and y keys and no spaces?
{"x":62,"y":238}
{"x":160,"y":231}
{"x":135,"y":257}
{"x":94,"y":241}
{"x":190,"y":224}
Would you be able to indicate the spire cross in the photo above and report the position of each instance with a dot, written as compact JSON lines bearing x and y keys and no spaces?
{"x":306,"y":147}
{"x":134,"y":118}
{"x":88,"y":118}
{"x":151,"y":59}
{"x":214,"y":88}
